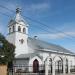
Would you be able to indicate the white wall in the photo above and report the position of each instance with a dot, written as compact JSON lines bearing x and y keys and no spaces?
{"x":16,"y":37}
{"x":21,"y":48}
{"x":21,"y":64}
{"x":10,"y":39}
{"x":71,"y":59}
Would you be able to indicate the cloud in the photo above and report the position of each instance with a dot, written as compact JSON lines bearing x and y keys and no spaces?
{"x":69,"y":26}
{"x":38,"y":7}
{"x":57,"y":35}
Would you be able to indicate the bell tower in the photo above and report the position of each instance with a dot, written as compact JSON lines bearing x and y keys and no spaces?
{"x":18,"y":33}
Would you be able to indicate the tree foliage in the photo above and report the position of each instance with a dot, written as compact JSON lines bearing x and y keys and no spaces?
{"x":7,"y":50}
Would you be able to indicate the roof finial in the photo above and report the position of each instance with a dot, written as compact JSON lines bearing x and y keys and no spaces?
{"x":18,"y":10}
{"x":35,"y":37}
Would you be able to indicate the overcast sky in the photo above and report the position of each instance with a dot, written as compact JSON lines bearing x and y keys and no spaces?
{"x":57,"y":15}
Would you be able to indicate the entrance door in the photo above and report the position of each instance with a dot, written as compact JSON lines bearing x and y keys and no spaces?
{"x":35,"y":66}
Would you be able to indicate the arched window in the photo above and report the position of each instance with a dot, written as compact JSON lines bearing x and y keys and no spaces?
{"x":19,"y":28}
{"x":24,"y":31}
{"x":13,"y":28}
{"x":9,"y":30}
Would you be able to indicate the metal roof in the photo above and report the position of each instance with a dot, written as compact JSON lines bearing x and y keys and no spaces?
{"x":37,"y":44}
{"x":29,"y":55}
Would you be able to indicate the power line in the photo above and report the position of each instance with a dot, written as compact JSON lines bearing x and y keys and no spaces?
{"x":39,"y":23}
{"x":5,"y":14}
{"x":14,"y":12}
{"x":49,"y":26}
{"x":6,"y":8}
{"x":34,"y":25}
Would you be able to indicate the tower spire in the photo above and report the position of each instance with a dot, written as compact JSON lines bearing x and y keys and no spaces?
{"x":18,"y":28}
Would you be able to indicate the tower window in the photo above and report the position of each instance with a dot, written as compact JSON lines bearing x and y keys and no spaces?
{"x":13,"y":28}
{"x":9,"y":30}
{"x":19,"y":28}
{"x":24,"y":30}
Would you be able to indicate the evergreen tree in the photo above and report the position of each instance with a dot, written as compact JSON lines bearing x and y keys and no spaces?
{"x":6,"y":51}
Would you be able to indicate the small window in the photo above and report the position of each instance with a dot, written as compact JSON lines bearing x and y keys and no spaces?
{"x":9,"y":30}
{"x":13,"y":28}
{"x":19,"y":28}
{"x":24,"y":30}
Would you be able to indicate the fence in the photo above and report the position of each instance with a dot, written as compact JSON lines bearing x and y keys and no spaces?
{"x":28,"y":70}
{"x":72,"y":69}
{"x":3,"y":69}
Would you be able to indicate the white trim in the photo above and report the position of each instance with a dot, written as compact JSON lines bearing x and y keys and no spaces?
{"x":54,"y":51}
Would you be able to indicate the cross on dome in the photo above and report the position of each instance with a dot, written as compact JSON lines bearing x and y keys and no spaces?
{"x":18,"y":10}
{"x":18,"y":15}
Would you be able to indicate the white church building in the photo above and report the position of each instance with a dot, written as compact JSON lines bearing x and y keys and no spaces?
{"x":33,"y":54}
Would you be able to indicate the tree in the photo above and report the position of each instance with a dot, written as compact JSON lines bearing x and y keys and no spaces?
{"x":7,"y":50}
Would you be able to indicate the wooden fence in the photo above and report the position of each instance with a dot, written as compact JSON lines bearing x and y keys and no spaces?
{"x":3,"y":69}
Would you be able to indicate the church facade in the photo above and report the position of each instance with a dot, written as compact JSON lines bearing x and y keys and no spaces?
{"x":34,"y":53}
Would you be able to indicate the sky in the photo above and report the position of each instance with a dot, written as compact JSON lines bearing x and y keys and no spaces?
{"x":57,"y":17}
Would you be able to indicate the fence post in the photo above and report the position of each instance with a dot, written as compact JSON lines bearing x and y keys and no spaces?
{"x":46,"y":68}
{"x":68,"y":67}
{"x":64,"y":64}
{"x":53,"y":68}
